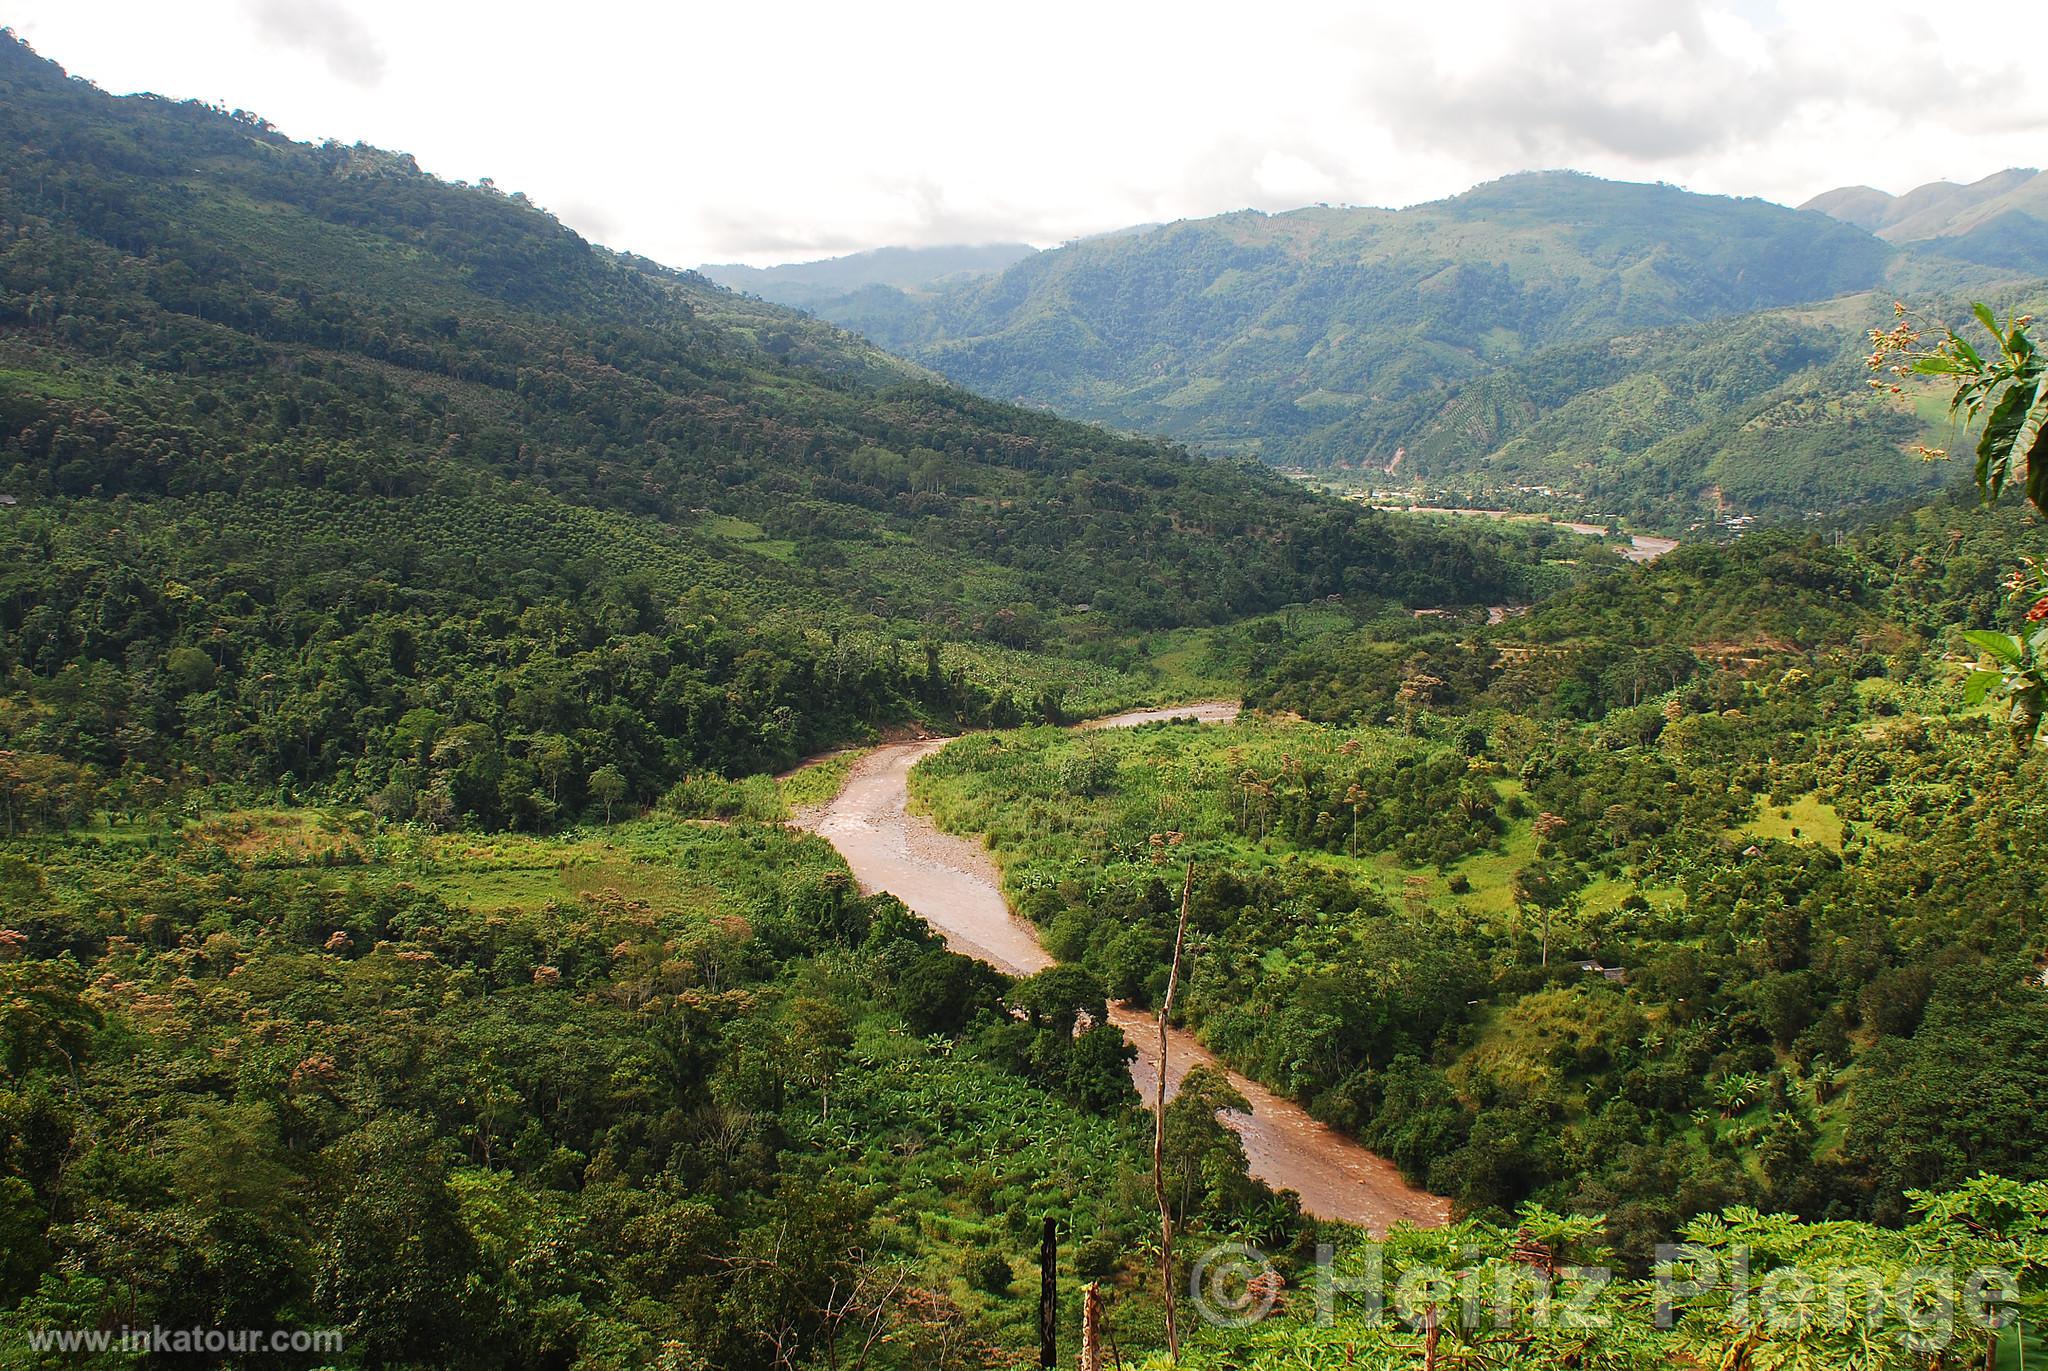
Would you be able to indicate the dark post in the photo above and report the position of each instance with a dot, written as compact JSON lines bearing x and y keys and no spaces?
{"x":1048,"y":1297}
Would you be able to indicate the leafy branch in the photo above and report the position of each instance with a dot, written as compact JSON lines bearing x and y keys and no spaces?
{"x":2006,"y":389}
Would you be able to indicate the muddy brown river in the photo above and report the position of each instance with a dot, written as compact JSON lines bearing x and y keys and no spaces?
{"x":952,"y":883}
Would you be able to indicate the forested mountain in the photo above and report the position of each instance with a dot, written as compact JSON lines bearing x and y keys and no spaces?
{"x":353,"y":518}
{"x":808,"y":285}
{"x":412,"y":617}
{"x":1255,"y":332}
{"x":1547,"y":340}
{"x":307,"y":444}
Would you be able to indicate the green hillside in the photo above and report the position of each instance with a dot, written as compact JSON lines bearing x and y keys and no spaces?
{"x":2000,"y":221}
{"x":403,"y":604}
{"x":301,"y":437}
{"x":1546,"y":341}
{"x":1765,"y":414}
{"x":1257,"y":333}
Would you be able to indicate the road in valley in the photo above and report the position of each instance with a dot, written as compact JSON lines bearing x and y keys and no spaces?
{"x":952,"y":883}
{"x":1642,"y":547}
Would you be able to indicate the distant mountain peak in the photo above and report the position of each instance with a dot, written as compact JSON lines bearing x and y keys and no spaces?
{"x":1938,"y":209}
{"x":913,"y":269}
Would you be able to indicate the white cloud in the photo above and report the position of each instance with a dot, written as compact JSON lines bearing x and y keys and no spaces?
{"x":326,"y":30}
{"x":709,"y":132}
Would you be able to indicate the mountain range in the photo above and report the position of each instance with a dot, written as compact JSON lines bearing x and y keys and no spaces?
{"x":1999,"y":221}
{"x":1446,"y":341}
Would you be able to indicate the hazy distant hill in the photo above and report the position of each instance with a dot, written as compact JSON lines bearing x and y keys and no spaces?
{"x":1937,"y":208}
{"x":1265,"y":333}
{"x":1999,"y":221}
{"x":915,"y":270}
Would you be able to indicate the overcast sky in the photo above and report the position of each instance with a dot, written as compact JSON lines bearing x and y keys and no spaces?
{"x":768,"y":132}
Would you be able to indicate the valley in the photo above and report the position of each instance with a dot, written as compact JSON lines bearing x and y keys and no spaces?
{"x":1547,"y":333}
{"x":563,"y":813}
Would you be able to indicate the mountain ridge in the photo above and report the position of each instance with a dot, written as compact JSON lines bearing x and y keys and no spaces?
{"x":1304,"y":337}
{"x":1261,"y":334}
{"x":913,"y":269}
{"x":1936,"y":209}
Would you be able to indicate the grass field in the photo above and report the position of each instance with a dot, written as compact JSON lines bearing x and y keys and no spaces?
{"x":1808,"y":819}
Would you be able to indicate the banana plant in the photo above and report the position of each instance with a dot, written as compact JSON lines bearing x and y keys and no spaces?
{"x":1734,"y":1094}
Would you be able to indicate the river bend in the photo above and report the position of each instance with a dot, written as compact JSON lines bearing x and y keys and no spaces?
{"x":952,"y":883}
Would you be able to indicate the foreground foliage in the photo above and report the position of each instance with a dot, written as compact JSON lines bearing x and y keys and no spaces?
{"x":672,"y":1094}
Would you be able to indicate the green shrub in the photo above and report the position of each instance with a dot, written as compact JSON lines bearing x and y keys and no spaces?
{"x":988,"y":1272}
{"x":707,"y":796}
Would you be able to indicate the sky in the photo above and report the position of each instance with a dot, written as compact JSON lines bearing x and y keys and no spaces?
{"x":693,"y":132}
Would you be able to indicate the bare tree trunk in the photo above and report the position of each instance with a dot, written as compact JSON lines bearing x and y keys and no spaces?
{"x":1159,"y":1125}
{"x":1091,"y":1327}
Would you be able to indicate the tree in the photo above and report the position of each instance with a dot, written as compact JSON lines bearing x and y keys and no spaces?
{"x":608,"y":787}
{"x":1204,"y":1157}
{"x":1099,"y":1069}
{"x":23,"y":1251}
{"x":1549,"y":886}
{"x":820,"y":1035}
{"x":552,"y":755}
{"x":398,"y":1269}
{"x":45,"y":1020}
{"x":787,"y":1284}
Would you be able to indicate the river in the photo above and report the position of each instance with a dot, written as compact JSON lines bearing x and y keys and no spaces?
{"x":952,"y":883}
